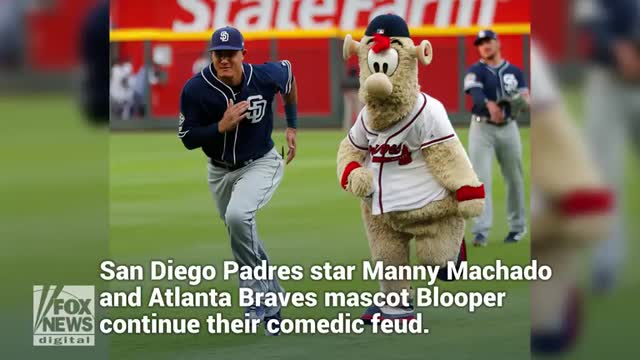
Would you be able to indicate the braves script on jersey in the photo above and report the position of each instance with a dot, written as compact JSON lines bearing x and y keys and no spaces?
{"x":403,"y":180}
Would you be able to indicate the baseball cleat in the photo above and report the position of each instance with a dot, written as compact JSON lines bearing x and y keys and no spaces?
{"x":368,"y":314}
{"x":514,"y":237}
{"x":274,"y":320}
{"x":398,"y":313}
{"x":480,"y":241}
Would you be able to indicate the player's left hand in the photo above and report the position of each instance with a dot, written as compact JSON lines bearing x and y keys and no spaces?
{"x":290,"y":134}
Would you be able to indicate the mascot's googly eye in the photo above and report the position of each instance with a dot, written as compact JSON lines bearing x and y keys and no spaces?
{"x":385,"y":62}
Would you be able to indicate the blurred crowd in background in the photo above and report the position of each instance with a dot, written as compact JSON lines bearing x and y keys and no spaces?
{"x":129,"y":87}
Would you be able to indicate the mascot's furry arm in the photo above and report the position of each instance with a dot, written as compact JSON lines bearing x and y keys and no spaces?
{"x":578,"y":205}
{"x":450,"y":165}
{"x":353,"y":177}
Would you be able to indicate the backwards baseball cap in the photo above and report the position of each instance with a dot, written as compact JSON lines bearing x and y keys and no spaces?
{"x":227,"y":38}
{"x":485,"y":34}
{"x":388,"y":25}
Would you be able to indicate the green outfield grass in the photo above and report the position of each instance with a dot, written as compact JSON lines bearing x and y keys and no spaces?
{"x":54,"y":175}
{"x":161,"y":208}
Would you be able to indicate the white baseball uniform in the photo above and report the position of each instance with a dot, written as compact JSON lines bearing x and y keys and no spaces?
{"x":402,"y":179}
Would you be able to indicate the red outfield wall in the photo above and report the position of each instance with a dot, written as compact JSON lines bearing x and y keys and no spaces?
{"x":311,"y":56}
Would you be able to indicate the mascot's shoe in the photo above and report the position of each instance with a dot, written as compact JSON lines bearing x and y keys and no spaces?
{"x":462,"y":256}
{"x":254,"y":312}
{"x":563,"y":339}
{"x":480,"y":241}
{"x":272,"y":324}
{"x":398,"y":313}
{"x":368,"y":314}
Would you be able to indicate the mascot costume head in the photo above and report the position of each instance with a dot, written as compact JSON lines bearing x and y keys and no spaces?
{"x":388,"y":62}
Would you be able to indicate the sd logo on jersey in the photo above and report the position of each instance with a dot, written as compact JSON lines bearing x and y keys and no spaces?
{"x":510,"y":83}
{"x":257,"y":108}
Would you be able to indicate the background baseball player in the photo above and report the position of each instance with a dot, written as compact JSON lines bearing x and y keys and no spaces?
{"x":611,"y":111}
{"x":494,"y":130}
{"x":226,"y":111}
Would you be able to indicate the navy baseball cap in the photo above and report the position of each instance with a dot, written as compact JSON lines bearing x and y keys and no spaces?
{"x":485,"y":34}
{"x":227,"y":38}
{"x":388,"y":25}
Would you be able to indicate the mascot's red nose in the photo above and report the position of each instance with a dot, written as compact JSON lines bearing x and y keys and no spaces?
{"x":380,"y":43}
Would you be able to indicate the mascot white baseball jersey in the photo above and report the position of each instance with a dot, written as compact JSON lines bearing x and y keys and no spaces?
{"x":402,"y":178}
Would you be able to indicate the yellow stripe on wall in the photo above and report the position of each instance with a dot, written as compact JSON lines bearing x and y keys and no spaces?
{"x":142,"y":34}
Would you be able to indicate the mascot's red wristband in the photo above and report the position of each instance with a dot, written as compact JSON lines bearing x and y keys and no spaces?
{"x":347,"y":170}
{"x":588,"y":201}
{"x":470,"y":193}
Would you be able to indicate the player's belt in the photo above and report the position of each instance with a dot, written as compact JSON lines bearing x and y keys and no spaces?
{"x":485,"y":119}
{"x":233,"y":167}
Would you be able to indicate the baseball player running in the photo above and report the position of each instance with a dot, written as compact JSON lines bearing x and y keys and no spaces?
{"x":494,"y":130}
{"x":226,"y":111}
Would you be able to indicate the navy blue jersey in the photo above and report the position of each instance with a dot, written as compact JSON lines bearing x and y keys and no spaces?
{"x":204,"y":100}
{"x":607,"y":21}
{"x":504,"y":80}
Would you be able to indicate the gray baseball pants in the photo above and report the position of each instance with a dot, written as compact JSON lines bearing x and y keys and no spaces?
{"x":239,"y":194}
{"x":485,"y":141}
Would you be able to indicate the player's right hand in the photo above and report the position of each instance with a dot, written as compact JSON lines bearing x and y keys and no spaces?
{"x":496,"y":112}
{"x":234,"y":114}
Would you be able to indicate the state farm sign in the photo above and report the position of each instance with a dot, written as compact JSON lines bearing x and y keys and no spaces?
{"x":201,"y":15}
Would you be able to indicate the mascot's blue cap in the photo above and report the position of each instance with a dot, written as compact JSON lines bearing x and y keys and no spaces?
{"x":388,"y":25}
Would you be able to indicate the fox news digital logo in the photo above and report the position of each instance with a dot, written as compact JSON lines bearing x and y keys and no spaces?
{"x":63,"y":315}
